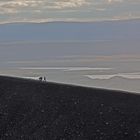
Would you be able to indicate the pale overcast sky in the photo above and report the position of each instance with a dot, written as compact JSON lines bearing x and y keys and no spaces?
{"x":67,"y":10}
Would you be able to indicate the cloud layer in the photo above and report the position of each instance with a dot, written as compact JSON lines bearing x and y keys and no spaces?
{"x":67,"y":10}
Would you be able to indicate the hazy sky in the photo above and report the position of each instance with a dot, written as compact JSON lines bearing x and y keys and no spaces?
{"x":67,"y":10}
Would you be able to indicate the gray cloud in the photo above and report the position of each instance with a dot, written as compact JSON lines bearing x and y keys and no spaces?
{"x":53,"y":4}
{"x":82,"y":10}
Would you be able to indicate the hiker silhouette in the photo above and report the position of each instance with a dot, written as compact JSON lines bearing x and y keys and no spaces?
{"x":40,"y":78}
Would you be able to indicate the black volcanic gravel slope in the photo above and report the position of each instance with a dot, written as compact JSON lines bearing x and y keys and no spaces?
{"x":33,"y":110}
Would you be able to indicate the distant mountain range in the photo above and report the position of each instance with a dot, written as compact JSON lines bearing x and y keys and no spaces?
{"x":71,"y":31}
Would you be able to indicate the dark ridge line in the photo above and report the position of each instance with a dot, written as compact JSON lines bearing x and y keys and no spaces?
{"x":69,"y":85}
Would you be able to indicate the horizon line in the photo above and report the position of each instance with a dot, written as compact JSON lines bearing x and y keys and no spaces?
{"x":67,"y":21}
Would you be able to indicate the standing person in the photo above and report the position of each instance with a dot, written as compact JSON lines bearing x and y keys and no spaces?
{"x":40,"y":78}
{"x":44,"y":78}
